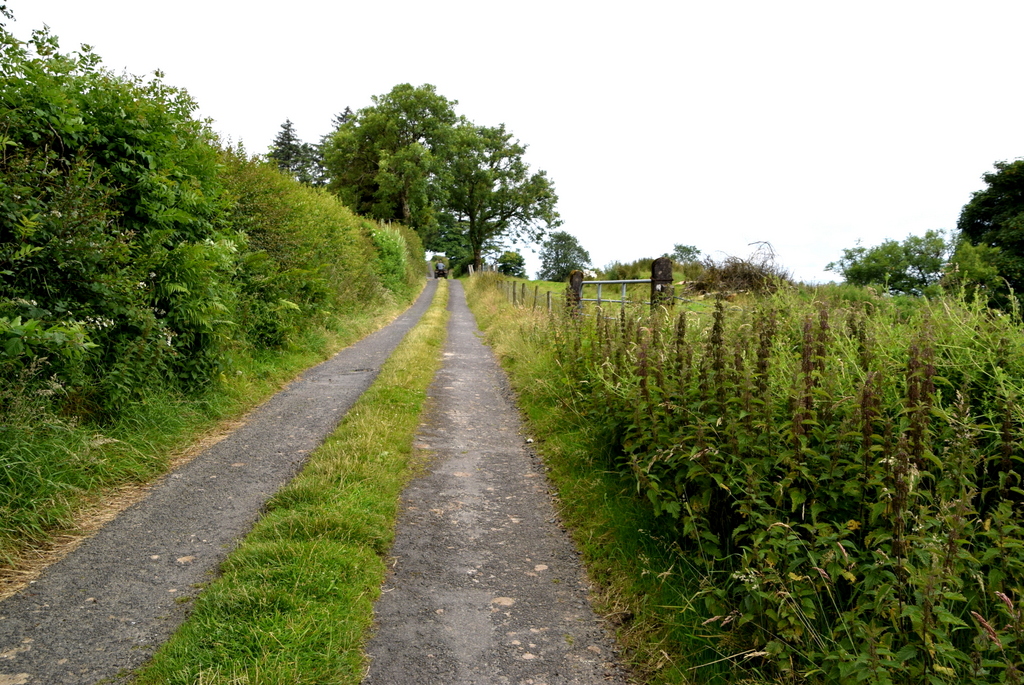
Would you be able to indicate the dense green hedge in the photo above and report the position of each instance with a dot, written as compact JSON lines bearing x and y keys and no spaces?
{"x":135,"y":252}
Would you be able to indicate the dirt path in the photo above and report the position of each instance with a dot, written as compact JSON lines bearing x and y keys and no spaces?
{"x":486,"y":587}
{"x":103,"y":609}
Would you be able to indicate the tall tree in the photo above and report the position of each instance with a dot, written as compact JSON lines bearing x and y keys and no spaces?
{"x":561,"y":255}
{"x":995,"y":218}
{"x":491,"y":192}
{"x":298,"y":159}
{"x":387,"y":160}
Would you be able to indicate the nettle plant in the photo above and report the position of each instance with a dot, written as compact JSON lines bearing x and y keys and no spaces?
{"x":845,"y":476}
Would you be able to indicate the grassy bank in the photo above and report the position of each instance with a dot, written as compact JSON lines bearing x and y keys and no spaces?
{"x":824,"y":485}
{"x":640,"y":586}
{"x":295,"y":600}
{"x":68,"y":468}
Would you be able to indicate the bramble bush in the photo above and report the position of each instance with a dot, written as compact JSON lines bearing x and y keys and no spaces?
{"x":844,"y":473}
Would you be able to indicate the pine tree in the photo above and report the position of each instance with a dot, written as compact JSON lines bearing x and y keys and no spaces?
{"x":300,"y":160}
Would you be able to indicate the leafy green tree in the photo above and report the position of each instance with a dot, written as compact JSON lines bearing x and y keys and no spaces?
{"x":452,"y":242}
{"x":491,"y":193}
{"x":300,"y":160}
{"x":561,"y":255}
{"x":684,"y":254}
{"x":387,"y":161}
{"x":912,"y":267}
{"x":973,"y":268}
{"x":512,"y":264}
{"x":994,"y":217}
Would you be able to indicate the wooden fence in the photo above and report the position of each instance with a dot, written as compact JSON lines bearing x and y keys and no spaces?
{"x":662,"y":292}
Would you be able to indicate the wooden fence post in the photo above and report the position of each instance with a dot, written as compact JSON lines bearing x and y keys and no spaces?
{"x":662,"y":291}
{"x":536,"y":290}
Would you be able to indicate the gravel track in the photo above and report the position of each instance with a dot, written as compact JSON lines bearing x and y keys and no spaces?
{"x":101,"y":611}
{"x":486,"y":587}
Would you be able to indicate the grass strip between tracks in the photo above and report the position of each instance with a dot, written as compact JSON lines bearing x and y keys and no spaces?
{"x":295,"y":601}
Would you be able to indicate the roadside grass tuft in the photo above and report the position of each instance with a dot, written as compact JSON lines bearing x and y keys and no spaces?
{"x":295,"y":601}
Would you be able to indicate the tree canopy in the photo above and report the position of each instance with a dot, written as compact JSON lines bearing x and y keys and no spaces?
{"x":387,"y":160}
{"x":994,"y":217}
{"x":491,"y":192}
{"x":512,"y":263}
{"x":561,"y":255}
{"x":908,"y":268}
{"x":410,"y":158}
{"x":684,"y":254}
{"x":298,"y":159}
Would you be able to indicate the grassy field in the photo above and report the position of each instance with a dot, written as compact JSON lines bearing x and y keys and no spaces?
{"x":295,"y":599}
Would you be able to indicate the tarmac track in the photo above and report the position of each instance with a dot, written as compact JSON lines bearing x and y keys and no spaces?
{"x":104,"y":609}
{"x":486,"y":587}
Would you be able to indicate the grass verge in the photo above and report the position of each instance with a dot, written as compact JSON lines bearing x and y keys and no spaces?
{"x":295,"y":600}
{"x":643,"y":588}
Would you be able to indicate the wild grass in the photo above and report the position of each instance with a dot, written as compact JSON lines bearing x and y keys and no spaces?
{"x":834,"y":481}
{"x":294,"y":603}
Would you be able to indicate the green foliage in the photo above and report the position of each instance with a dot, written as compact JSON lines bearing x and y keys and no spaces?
{"x":410,"y":159}
{"x":512,"y":264}
{"x":561,"y":255}
{"x":974,"y":269}
{"x":300,"y":160}
{"x":139,"y":263}
{"x":684,"y":254}
{"x":109,"y":182}
{"x":913,"y":267}
{"x":846,"y":475}
{"x":491,"y":193}
{"x":386,"y":161}
{"x":307,"y":258}
{"x":995,"y":218}
{"x":391,"y":257}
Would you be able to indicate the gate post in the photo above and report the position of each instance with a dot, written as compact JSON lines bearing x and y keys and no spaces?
{"x":574,"y":292}
{"x":662,"y":291}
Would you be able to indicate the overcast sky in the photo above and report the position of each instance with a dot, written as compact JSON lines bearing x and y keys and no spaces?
{"x":807,"y":124}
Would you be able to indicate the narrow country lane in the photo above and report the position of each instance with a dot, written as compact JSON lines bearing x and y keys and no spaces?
{"x":486,"y":587}
{"x":105,"y":608}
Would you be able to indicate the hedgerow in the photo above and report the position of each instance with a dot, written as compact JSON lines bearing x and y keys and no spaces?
{"x":142,"y":265}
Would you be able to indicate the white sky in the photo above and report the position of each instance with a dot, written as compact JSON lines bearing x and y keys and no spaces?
{"x":808,"y":124}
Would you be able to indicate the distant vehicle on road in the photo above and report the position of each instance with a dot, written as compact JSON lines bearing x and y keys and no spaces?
{"x":440,"y":270}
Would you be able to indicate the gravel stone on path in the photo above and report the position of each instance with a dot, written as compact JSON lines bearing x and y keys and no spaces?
{"x":105,"y":608}
{"x":485,"y":587}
